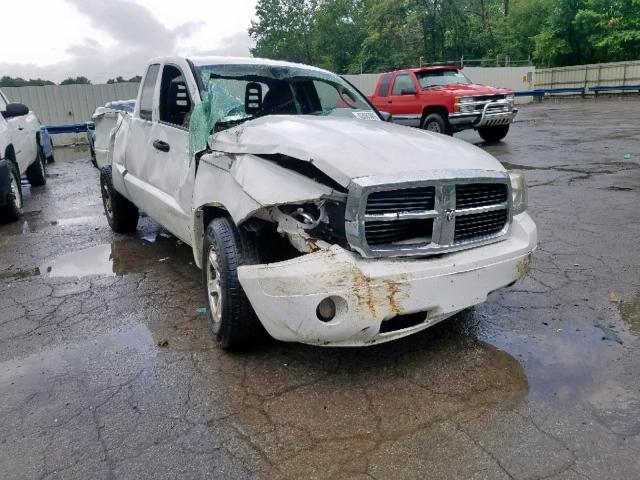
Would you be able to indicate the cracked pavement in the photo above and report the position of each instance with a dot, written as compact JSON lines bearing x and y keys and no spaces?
{"x":540,"y":382}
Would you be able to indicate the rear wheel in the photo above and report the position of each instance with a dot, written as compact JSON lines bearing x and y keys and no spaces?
{"x":92,"y":152}
{"x":51,"y":158}
{"x":12,"y":210}
{"x":434,"y":122}
{"x":229,"y":312}
{"x":493,"y":134}
{"x":122,"y":215}
{"x":36,"y":173}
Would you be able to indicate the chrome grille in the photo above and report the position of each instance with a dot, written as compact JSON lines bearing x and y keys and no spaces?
{"x":481,"y":100}
{"x":479,"y":225}
{"x":480,"y":194}
{"x":427,"y":217}
{"x":406,"y":200}
{"x":390,"y":233}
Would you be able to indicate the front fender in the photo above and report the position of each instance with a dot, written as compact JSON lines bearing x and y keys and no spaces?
{"x":242,"y":185}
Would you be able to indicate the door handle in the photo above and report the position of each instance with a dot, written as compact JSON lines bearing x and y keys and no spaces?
{"x":162,"y":146}
{"x":389,"y":101}
{"x":20,"y":128}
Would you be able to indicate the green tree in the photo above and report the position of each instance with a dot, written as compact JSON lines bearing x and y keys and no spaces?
{"x":374,"y":35}
{"x":120,"y":79}
{"x":340,"y":30}
{"x":76,"y":81}
{"x":8,"y":81}
{"x":612,"y":28}
{"x":562,"y":41}
{"x":284,"y":29}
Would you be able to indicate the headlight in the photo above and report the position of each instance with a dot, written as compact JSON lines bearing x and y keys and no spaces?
{"x":518,"y":192}
{"x":510,"y":99}
{"x":464,"y":105}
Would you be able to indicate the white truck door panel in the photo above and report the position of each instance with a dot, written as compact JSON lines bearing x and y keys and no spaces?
{"x":159,"y":175}
{"x":137,"y":144}
{"x":22,"y":142}
{"x":167,"y":173}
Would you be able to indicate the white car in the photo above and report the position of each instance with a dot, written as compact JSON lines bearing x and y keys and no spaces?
{"x":312,"y":218}
{"x":20,"y":153}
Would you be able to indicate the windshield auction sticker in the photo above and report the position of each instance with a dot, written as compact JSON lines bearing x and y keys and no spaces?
{"x":365,"y":115}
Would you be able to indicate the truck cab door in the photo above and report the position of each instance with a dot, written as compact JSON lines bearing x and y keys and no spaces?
{"x":405,"y":101}
{"x":159,"y":174}
{"x":137,"y":151}
{"x":172,"y":172}
{"x":381,"y":96}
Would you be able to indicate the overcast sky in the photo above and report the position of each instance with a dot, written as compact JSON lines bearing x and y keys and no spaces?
{"x":101,"y":39}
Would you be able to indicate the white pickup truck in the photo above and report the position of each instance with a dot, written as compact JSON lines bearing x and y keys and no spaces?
{"x":312,"y":218}
{"x":20,"y":153}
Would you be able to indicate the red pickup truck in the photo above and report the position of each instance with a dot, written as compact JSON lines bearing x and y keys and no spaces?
{"x":444,"y":100}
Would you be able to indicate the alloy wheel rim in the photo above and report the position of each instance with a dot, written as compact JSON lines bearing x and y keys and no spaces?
{"x":15,"y":191}
{"x":214,"y":288}
{"x":106,"y":197}
{"x":434,"y":127}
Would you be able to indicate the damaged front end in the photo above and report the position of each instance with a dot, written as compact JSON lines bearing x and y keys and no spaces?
{"x":366,"y":233}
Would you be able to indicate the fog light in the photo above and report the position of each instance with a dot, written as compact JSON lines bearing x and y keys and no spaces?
{"x":326,"y":310}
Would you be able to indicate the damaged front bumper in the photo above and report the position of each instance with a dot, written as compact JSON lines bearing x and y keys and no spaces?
{"x":369,"y":292}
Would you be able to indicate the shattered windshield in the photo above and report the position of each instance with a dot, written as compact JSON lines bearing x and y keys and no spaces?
{"x":251,"y":91}
{"x":440,"y":78}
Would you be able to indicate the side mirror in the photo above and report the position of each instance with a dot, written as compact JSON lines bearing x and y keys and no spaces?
{"x":408,"y":91}
{"x":386,"y":117}
{"x":15,"y":110}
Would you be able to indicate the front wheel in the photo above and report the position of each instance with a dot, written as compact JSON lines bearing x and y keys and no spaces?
{"x":36,"y":173}
{"x":229,"y":312}
{"x":434,"y":122}
{"x":122,"y":215}
{"x":12,"y":208}
{"x":493,"y":134}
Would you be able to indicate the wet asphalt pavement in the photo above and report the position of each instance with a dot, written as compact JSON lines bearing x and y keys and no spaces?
{"x":108,"y":370}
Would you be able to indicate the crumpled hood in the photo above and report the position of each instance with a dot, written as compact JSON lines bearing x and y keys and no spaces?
{"x":346,"y":149}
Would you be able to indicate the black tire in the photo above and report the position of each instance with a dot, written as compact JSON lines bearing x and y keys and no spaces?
{"x":493,"y":134}
{"x":434,"y":122}
{"x":37,"y":171}
{"x":234,"y":322}
{"x":122,"y":215}
{"x":12,"y":210}
{"x":94,"y":162}
{"x":51,"y":158}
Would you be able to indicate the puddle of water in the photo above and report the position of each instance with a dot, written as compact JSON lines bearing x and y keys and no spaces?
{"x":117,"y":258}
{"x":67,"y":358}
{"x":79,"y":220}
{"x":561,"y":363}
{"x":92,"y":261}
{"x":630,"y":313}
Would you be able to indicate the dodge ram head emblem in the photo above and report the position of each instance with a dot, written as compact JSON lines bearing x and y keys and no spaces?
{"x":450,"y":215}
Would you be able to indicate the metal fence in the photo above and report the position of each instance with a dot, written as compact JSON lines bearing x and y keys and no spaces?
{"x":69,"y":104}
{"x":586,"y":76}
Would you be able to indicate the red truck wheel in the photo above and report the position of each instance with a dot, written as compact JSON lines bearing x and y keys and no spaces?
{"x":493,"y":134}
{"x":434,"y":122}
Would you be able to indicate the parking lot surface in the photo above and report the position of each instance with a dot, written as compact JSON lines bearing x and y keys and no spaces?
{"x":108,"y":369}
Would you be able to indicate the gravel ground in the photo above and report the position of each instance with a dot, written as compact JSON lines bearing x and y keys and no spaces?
{"x":107,"y":368}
